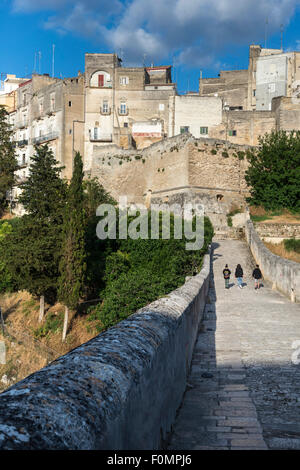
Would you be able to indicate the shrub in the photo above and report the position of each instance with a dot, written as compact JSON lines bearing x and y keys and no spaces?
{"x":292,"y":245}
{"x":53,"y":323}
{"x":142,"y":270}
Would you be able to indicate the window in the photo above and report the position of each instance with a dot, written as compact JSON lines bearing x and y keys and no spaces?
{"x":124,"y":80}
{"x":271,"y":87}
{"x":105,"y":106}
{"x":100,"y":80}
{"x":23,"y":159}
{"x":95,"y":133}
{"x":125,"y":124}
{"x":123,"y":108}
{"x":70,"y":131}
{"x":70,"y":104}
{"x":232,"y":133}
{"x":184,"y":129}
{"x":24,"y":99}
{"x":52,"y":102}
{"x":161,"y":107}
{"x":254,"y":92}
{"x":203,"y":130}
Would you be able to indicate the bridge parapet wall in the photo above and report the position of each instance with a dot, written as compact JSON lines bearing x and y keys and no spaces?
{"x":120,"y":390}
{"x":284,"y":274}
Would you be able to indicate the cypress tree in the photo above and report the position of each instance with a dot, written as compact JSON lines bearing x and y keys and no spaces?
{"x":73,"y":260}
{"x":8,"y":161}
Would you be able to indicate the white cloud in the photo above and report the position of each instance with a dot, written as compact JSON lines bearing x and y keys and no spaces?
{"x":196,"y":31}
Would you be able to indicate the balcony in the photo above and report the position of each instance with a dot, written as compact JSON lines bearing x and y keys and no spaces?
{"x":45,"y":138}
{"x":105,"y":111}
{"x":21,"y":143}
{"x":21,"y":124}
{"x":123,"y":111}
{"x":101,"y":138}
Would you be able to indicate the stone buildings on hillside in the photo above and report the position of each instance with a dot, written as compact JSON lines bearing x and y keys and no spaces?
{"x":134,"y":107}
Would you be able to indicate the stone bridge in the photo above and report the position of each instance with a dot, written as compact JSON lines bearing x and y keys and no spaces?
{"x":203,"y":368}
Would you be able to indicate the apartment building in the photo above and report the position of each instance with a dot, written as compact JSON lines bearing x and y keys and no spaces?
{"x":124,"y":105}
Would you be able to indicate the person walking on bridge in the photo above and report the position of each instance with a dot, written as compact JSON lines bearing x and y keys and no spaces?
{"x":226,"y":274}
{"x":257,"y":275}
{"x":239,"y":275}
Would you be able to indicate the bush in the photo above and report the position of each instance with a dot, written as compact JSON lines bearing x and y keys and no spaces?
{"x":53,"y":323}
{"x":142,"y":270}
{"x":273,"y":173}
{"x":292,"y":245}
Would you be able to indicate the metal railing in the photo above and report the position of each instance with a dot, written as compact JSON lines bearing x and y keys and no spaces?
{"x":123,"y":112}
{"x":105,"y":111}
{"x":101,"y":138}
{"x":44,"y":138}
{"x":21,"y":143}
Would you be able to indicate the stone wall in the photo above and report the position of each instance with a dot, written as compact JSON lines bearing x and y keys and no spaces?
{"x":180,"y":168}
{"x":284,"y":274}
{"x":277,"y":232}
{"x":121,"y":390}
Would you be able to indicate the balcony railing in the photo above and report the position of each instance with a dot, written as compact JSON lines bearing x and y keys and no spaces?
{"x":123,"y":112}
{"x":105,"y":111}
{"x":45,"y":138}
{"x":101,"y":138}
{"x":21,"y":143}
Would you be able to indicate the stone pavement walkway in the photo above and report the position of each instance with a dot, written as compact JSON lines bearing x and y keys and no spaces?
{"x":244,"y":389}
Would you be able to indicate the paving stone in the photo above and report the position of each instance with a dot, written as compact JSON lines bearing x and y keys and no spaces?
{"x":254,"y":393}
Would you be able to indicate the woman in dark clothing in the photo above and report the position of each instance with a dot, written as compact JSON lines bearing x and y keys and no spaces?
{"x":239,"y":275}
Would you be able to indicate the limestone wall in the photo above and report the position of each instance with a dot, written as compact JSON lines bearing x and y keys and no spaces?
{"x":277,"y":231}
{"x":121,"y":390}
{"x":284,"y":274}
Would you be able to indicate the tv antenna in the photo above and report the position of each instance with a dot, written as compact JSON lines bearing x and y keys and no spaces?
{"x":281,"y":36}
{"x":266,"y":32}
{"x":53,"y":50}
{"x":34,"y":67}
{"x":40,"y":57}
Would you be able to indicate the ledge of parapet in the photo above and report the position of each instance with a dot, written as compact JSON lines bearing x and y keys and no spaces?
{"x":120,"y":390}
{"x":283,"y":273}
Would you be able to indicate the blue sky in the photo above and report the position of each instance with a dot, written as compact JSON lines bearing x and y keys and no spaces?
{"x":194,"y":35}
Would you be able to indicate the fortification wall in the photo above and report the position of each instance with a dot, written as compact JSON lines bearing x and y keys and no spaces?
{"x":207,"y":169}
{"x":284,"y":274}
{"x":121,"y":390}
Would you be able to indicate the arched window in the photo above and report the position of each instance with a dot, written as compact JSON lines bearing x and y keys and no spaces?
{"x":100,"y":79}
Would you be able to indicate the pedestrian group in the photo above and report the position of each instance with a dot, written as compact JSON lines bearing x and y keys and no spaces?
{"x":257,"y":276}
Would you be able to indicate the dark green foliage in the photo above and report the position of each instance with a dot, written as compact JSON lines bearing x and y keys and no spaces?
{"x":44,"y":192}
{"x":274,"y":172}
{"x":6,"y":283}
{"x":96,"y":250}
{"x":32,"y":250}
{"x":73,"y":258}
{"x":52,"y":324}
{"x":292,"y":245}
{"x":31,"y":254}
{"x":140,"y":271}
{"x":8,"y":161}
{"x":214,"y":152}
{"x":225,"y":154}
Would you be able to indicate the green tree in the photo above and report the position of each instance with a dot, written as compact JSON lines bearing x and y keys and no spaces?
{"x":43,"y":193}
{"x":33,"y":248}
{"x":274,"y":172}
{"x":96,"y":250}
{"x":73,"y":260}
{"x":8,"y":161}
